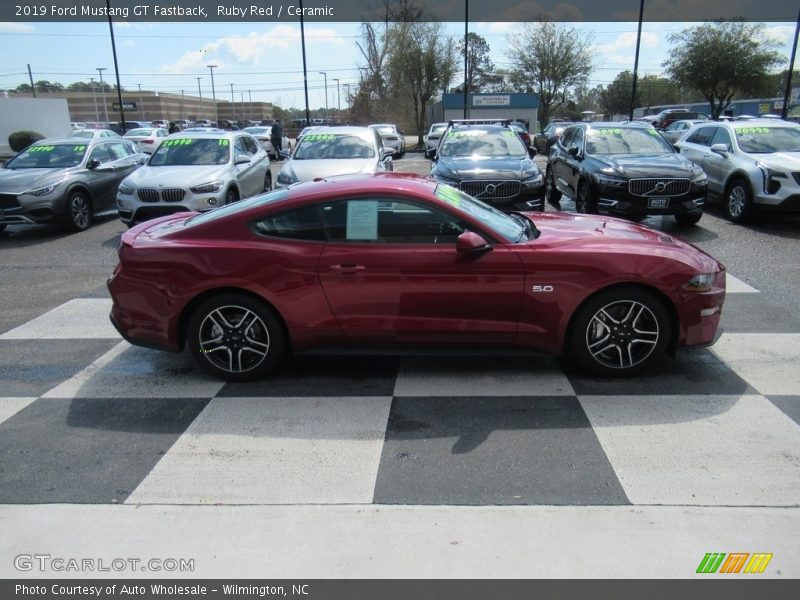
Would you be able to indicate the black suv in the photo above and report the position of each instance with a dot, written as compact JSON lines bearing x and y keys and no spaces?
{"x":489,"y":161}
{"x":626,"y":169}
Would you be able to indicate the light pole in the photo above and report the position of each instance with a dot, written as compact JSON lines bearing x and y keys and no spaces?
{"x":214,"y":94}
{"x":325,"y":75}
{"x":233,"y":105}
{"x":141,"y":103}
{"x":183,"y":111}
{"x":200,"y":93}
{"x":94,"y":95}
{"x":338,"y":97}
{"x":103,"y":89}
{"x":347,"y":93}
{"x":250,"y":105}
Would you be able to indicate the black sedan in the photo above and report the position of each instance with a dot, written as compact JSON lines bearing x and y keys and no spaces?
{"x":489,"y":162}
{"x":626,"y":169}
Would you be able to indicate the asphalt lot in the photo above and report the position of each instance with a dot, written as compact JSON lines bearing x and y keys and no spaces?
{"x":451,"y":467}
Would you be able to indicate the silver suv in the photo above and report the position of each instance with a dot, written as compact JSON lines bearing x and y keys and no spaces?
{"x":750,"y":164}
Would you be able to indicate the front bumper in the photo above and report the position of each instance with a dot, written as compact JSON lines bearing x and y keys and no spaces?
{"x":134,"y":210}
{"x":638,"y":206}
{"x":19,"y":209}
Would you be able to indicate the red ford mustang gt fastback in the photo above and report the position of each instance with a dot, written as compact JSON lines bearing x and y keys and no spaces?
{"x":399,"y":260}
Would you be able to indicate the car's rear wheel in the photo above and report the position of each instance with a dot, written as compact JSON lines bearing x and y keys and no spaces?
{"x":79,"y":211}
{"x":231,"y":196}
{"x":688,"y":218}
{"x":585,"y":202}
{"x":738,"y":201}
{"x":235,"y":337}
{"x":551,"y":193}
{"x":268,"y":181}
{"x":620,"y":332}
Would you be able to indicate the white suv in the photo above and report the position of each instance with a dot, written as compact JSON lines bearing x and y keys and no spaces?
{"x":750,"y":164}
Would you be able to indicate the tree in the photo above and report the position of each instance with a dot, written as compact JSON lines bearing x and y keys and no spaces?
{"x":616,"y":97}
{"x":722,"y":59}
{"x":421,"y":64}
{"x":480,"y":68}
{"x":551,"y":59}
{"x":46,"y":86}
{"x":654,"y":90}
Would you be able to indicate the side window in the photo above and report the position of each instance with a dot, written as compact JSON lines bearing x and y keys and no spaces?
{"x":161,"y":132}
{"x":250,"y":144}
{"x":566,"y":137}
{"x":389,"y":222}
{"x":300,"y":224}
{"x":722,"y":137}
{"x":101,"y":153}
{"x":239,"y":147}
{"x":577,"y":139}
{"x":702,"y":136}
{"x":118,"y":151}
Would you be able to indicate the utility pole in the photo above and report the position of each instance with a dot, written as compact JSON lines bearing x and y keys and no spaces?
{"x":347,"y":93}
{"x":305,"y":69}
{"x":141,"y":103}
{"x":325,"y":75}
{"x":202,"y":113}
{"x":30,"y":76}
{"x":636,"y":60}
{"x":214,"y":94}
{"x":233,"y":105}
{"x":250,"y":105}
{"x":103,"y":90}
{"x":183,"y":110}
{"x":94,"y":95}
{"x":788,"y":89}
{"x":338,"y":97}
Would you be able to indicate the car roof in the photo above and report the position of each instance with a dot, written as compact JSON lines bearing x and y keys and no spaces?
{"x":212,"y":135}
{"x":89,"y":141}
{"x":363,"y":132}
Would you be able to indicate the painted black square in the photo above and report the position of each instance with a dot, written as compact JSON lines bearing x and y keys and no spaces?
{"x":693,"y":372}
{"x":87,"y":450}
{"x":494,"y":451}
{"x":789,"y":405}
{"x":31,"y":368}
{"x":751,"y":313}
{"x":323,"y":376}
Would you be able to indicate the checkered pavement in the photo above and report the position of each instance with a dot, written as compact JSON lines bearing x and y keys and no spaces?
{"x":87,"y":418}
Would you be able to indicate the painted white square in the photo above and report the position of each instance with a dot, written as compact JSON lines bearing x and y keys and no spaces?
{"x":82,"y":318}
{"x":274,"y":451}
{"x":128,"y":371}
{"x":767,"y":361}
{"x":486,"y":376}
{"x":734,"y":285}
{"x":703,"y":450}
{"x":11,"y":406}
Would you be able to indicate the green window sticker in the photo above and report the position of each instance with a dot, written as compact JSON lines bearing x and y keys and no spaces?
{"x":223,"y":142}
{"x":42,"y":149}
{"x":184,"y":142}
{"x":448,"y":194}
{"x":752,"y":130}
{"x":79,"y":148}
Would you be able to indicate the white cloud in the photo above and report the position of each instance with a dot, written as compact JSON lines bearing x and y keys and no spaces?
{"x":6,"y":27}
{"x":781,"y":33}
{"x":128,"y":44}
{"x":628,"y":40}
{"x":251,"y":49}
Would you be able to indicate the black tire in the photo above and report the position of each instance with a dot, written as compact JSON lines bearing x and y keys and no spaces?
{"x":620,"y":332}
{"x":551,"y":194}
{"x":688,"y":218}
{"x":231,"y":196}
{"x":235,"y":337}
{"x":268,"y":181}
{"x":738,"y":201}
{"x":79,"y":211}
{"x":585,"y":201}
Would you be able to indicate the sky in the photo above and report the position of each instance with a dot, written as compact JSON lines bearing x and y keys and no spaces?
{"x":264,"y":61}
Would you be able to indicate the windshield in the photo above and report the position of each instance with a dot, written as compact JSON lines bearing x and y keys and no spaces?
{"x":61,"y":156}
{"x":765,"y":140}
{"x":316,"y":146}
{"x":482,"y":142}
{"x":191,"y":151}
{"x":438,"y":128}
{"x":82,"y":134}
{"x":236,"y":207}
{"x":615,"y":140}
{"x":506,"y":227}
{"x":385,"y":128}
{"x":257,"y":130}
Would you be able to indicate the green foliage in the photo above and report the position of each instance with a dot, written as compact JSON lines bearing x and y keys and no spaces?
{"x":19,"y":140}
{"x":480,"y":69}
{"x":721,"y":60}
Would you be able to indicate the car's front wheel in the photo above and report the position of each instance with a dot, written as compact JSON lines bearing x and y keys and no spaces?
{"x":231,"y":196}
{"x":235,"y":337}
{"x":268,"y":181}
{"x":738,"y":201}
{"x":585,"y":202}
{"x":620,"y":332}
{"x":551,"y":193}
{"x":688,"y":218}
{"x":79,"y":211}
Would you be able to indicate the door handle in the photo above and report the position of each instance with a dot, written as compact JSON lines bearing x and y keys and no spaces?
{"x":348,"y":268}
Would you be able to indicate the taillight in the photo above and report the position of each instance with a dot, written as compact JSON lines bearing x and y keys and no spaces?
{"x":148,"y":141}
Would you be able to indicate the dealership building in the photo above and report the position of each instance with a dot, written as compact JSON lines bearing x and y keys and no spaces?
{"x":521,"y":107}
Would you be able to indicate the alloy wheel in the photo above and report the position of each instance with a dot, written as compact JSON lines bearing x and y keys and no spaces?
{"x":737,"y":200}
{"x":79,"y":211}
{"x":622,"y":334}
{"x":234,"y":339}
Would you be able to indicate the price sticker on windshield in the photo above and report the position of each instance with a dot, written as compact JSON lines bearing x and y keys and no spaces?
{"x":319,"y":137}
{"x":751,"y":130}
{"x":608,"y":131}
{"x":181,"y":142}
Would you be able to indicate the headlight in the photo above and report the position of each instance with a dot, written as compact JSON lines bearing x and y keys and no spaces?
{"x":286,"y":176}
{"x":699,"y":178}
{"x":610,"y":181}
{"x":534,"y":181}
{"x":700,"y":283}
{"x":41,"y":191}
{"x":212,"y":187}
{"x":768,"y":174}
{"x":124,"y":189}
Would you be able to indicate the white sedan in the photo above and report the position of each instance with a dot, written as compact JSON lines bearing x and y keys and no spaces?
{"x":263,"y":134}
{"x":147,"y":139}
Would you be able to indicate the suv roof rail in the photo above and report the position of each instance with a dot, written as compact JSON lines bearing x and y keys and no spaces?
{"x":505,"y":122}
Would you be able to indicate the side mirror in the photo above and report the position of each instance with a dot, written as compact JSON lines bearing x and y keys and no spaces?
{"x":242,"y":159}
{"x":387,"y":153}
{"x":574,"y":151}
{"x":93,"y":164}
{"x":470,"y":242}
{"x":721,"y":149}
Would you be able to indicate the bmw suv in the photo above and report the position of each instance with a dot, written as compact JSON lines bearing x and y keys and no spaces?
{"x":490,"y":162}
{"x":626,"y":169}
{"x":750,"y":164}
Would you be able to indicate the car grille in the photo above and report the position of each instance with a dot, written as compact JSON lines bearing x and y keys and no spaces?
{"x":167,"y":194}
{"x":658,"y":187}
{"x":490,"y":188}
{"x":8,"y":201}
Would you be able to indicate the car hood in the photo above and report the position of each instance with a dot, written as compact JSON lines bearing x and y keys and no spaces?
{"x":781,"y":161}
{"x":486,"y":168}
{"x":602,"y":234}
{"x":21,"y":180}
{"x":306,"y":170}
{"x":176,"y":176}
{"x":647,"y":165}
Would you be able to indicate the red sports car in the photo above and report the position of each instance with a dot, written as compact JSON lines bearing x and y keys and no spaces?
{"x":399,"y":260}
